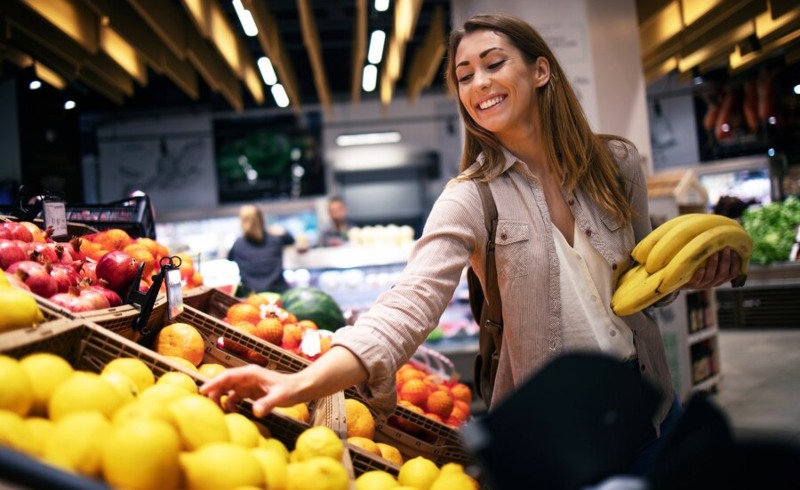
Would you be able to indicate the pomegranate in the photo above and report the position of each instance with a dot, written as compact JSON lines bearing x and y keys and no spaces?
{"x":16,"y":281}
{"x":112,"y":297}
{"x":5,"y":233}
{"x":37,"y":234}
{"x":10,"y":253}
{"x":65,"y":275}
{"x":88,"y":270}
{"x":18,"y":231}
{"x":74,"y":248}
{"x":119,"y":269}
{"x":35,"y":276}
{"x":44,"y":254}
{"x":64,"y":257}
{"x":74,"y":301}
{"x":97,"y":298}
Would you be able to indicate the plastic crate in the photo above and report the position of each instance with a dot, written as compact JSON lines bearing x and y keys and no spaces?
{"x":209,"y":300}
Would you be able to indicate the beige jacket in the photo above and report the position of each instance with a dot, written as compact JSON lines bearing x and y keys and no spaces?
{"x":528,"y":276}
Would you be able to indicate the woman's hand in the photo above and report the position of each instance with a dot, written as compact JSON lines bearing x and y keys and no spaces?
{"x":267,"y":389}
{"x":719,"y":269}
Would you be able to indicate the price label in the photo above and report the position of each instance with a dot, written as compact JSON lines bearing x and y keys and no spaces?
{"x":174,"y":293}
{"x":55,"y":217}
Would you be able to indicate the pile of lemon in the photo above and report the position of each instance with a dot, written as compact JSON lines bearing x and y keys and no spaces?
{"x":134,"y":431}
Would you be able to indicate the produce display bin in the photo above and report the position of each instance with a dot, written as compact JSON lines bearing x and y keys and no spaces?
{"x":88,"y":346}
{"x":210,"y":300}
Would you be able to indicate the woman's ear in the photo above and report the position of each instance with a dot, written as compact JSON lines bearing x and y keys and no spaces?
{"x":541,"y":71}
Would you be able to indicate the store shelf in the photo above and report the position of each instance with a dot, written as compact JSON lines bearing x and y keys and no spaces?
{"x":707,"y":384}
{"x":703,"y":334}
{"x":346,"y":257}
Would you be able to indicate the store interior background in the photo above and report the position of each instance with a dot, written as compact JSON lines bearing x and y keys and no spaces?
{"x":175,"y":147}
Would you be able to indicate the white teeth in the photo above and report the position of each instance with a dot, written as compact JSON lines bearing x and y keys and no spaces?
{"x":491,"y":102}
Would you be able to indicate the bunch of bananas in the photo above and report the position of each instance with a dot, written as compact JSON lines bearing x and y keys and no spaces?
{"x":668,"y":257}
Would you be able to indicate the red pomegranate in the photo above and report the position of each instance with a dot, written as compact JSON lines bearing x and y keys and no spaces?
{"x":74,"y":301}
{"x":35,"y":276}
{"x":65,"y":275}
{"x":43,"y":253}
{"x":112,"y":297}
{"x":118,"y":269}
{"x":10,"y":253}
{"x":18,"y":231}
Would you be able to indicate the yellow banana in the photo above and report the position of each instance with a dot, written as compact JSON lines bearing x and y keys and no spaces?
{"x":639,"y":295}
{"x":673,"y":241}
{"x":694,"y":254}
{"x":646,"y":244}
{"x":631,"y":278}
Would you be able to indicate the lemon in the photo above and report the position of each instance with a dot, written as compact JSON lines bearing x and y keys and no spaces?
{"x":16,"y":394}
{"x":142,"y":455}
{"x":210,"y":369}
{"x":365,"y":444}
{"x":81,"y":392}
{"x":163,"y":393}
{"x":40,"y":430}
{"x":134,"y":368}
{"x":179,"y":379}
{"x":318,"y":441}
{"x":19,"y":308}
{"x":451,"y":468}
{"x":183,"y":362}
{"x":376,"y":480}
{"x":272,"y":444}
{"x":200,"y":421}
{"x":46,"y":371}
{"x":242,"y":430}
{"x":453,"y":481}
{"x":418,"y":472}
{"x":142,"y":409}
{"x":14,"y":433}
{"x":360,"y":422}
{"x":318,"y":473}
{"x":77,"y":441}
{"x":124,"y":385}
{"x":390,"y":453}
{"x":221,"y":465}
{"x":274,"y":465}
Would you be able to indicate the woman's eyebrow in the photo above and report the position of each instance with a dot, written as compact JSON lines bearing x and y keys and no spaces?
{"x":481,"y":55}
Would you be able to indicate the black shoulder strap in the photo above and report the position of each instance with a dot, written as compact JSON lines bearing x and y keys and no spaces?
{"x":495,"y":306}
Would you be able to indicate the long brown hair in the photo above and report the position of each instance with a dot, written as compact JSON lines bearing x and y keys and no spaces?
{"x":252,"y":223}
{"x":584,"y":157}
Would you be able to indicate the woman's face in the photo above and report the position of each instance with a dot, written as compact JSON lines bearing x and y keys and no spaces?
{"x":496,"y":85}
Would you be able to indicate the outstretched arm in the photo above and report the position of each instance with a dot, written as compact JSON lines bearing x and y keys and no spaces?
{"x":335,"y":371}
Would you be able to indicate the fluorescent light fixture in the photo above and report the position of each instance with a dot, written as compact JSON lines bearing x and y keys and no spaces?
{"x":69,"y":105}
{"x":245,"y":18}
{"x":797,"y":89}
{"x":368,"y":138}
{"x":376,"y":40}
{"x":369,"y":78}
{"x":381,"y":5}
{"x":267,"y":71}
{"x":35,"y":85}
{"x":279,"y":94}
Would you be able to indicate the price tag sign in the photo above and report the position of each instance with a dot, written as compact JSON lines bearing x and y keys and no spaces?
{"x":174,"y":293}
{"x":55,"y":217}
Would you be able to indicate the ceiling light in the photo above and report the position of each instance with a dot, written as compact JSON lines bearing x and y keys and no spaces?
{"x":267,"y":71}
{"x":368,"y":138}
{"x":797,"y":89}
{"x":376,"y":41}
{"x":369,"y":78}
{"x":279,"y":94}
{"x":36,"y":84}
{"x":245,"y":18}
{"x":381,"y":5}
{"x":69,"y":104}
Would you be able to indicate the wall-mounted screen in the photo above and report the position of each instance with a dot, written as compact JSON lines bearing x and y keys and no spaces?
{"x":264,"y":158}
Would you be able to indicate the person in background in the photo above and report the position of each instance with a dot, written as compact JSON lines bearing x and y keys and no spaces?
{"x":259,"y":253}
{"x":335,"y":233}
{"x":571,"y":203}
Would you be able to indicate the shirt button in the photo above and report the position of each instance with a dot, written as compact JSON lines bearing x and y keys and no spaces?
{"x":588,"y":232}
{"x":503,"y":236}
{"x":613,"y":267}
{"x":593,"y":297}
{"x":571,"y":201}
{"x":612,"y":333}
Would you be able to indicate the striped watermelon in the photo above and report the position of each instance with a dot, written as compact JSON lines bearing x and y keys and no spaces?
{"x":309,"y":303}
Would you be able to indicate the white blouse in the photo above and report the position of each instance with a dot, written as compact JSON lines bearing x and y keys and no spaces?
{"x":586,"y":288}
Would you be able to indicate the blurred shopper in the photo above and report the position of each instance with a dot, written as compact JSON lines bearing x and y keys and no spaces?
{"x":335,"y":233}
{"x":259,"y":253}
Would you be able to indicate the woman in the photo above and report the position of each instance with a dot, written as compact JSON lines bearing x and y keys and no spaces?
{"x":259,"y":253}
{"x":571,"y":206}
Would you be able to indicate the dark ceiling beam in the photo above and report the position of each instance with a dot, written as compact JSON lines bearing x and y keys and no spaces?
{"x":428,"y":58}
{"x":359,"y":48}
{"x":311,"y":38}
{"x":167,"y":20}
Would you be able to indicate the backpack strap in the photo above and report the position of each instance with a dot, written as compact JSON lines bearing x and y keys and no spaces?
{"x":495,"y":305}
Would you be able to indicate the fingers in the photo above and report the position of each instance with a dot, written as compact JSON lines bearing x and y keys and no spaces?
{"x":718,"y":269}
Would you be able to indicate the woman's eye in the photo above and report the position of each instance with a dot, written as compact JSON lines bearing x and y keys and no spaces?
{"x":496,"y":64}
{"x":465,"y":78}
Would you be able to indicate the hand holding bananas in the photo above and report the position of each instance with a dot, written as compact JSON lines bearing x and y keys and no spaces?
{"x":695,"y":251}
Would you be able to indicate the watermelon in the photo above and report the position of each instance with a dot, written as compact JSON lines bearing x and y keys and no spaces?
{"x":310,"y":303}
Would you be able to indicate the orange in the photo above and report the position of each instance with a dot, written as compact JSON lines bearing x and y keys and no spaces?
{"x":269,"y":329}
{"x":440,"y":403}
{"x":257,"y":300}
{"x":292,"y":336}
{"x":360,"y":422}
{"x":308,"y":324}
{"x":144,"y":256}
{"x":434,"y":417}
{"x":461,"y":411}
{"x":414,"y":391}
{"x":113,"y":239}
{"x":461,"y":392}
{"x":408,"y":374}
{"x":243,"y":312}
{"x":181,"y":340}
{"x":390,"y":453}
